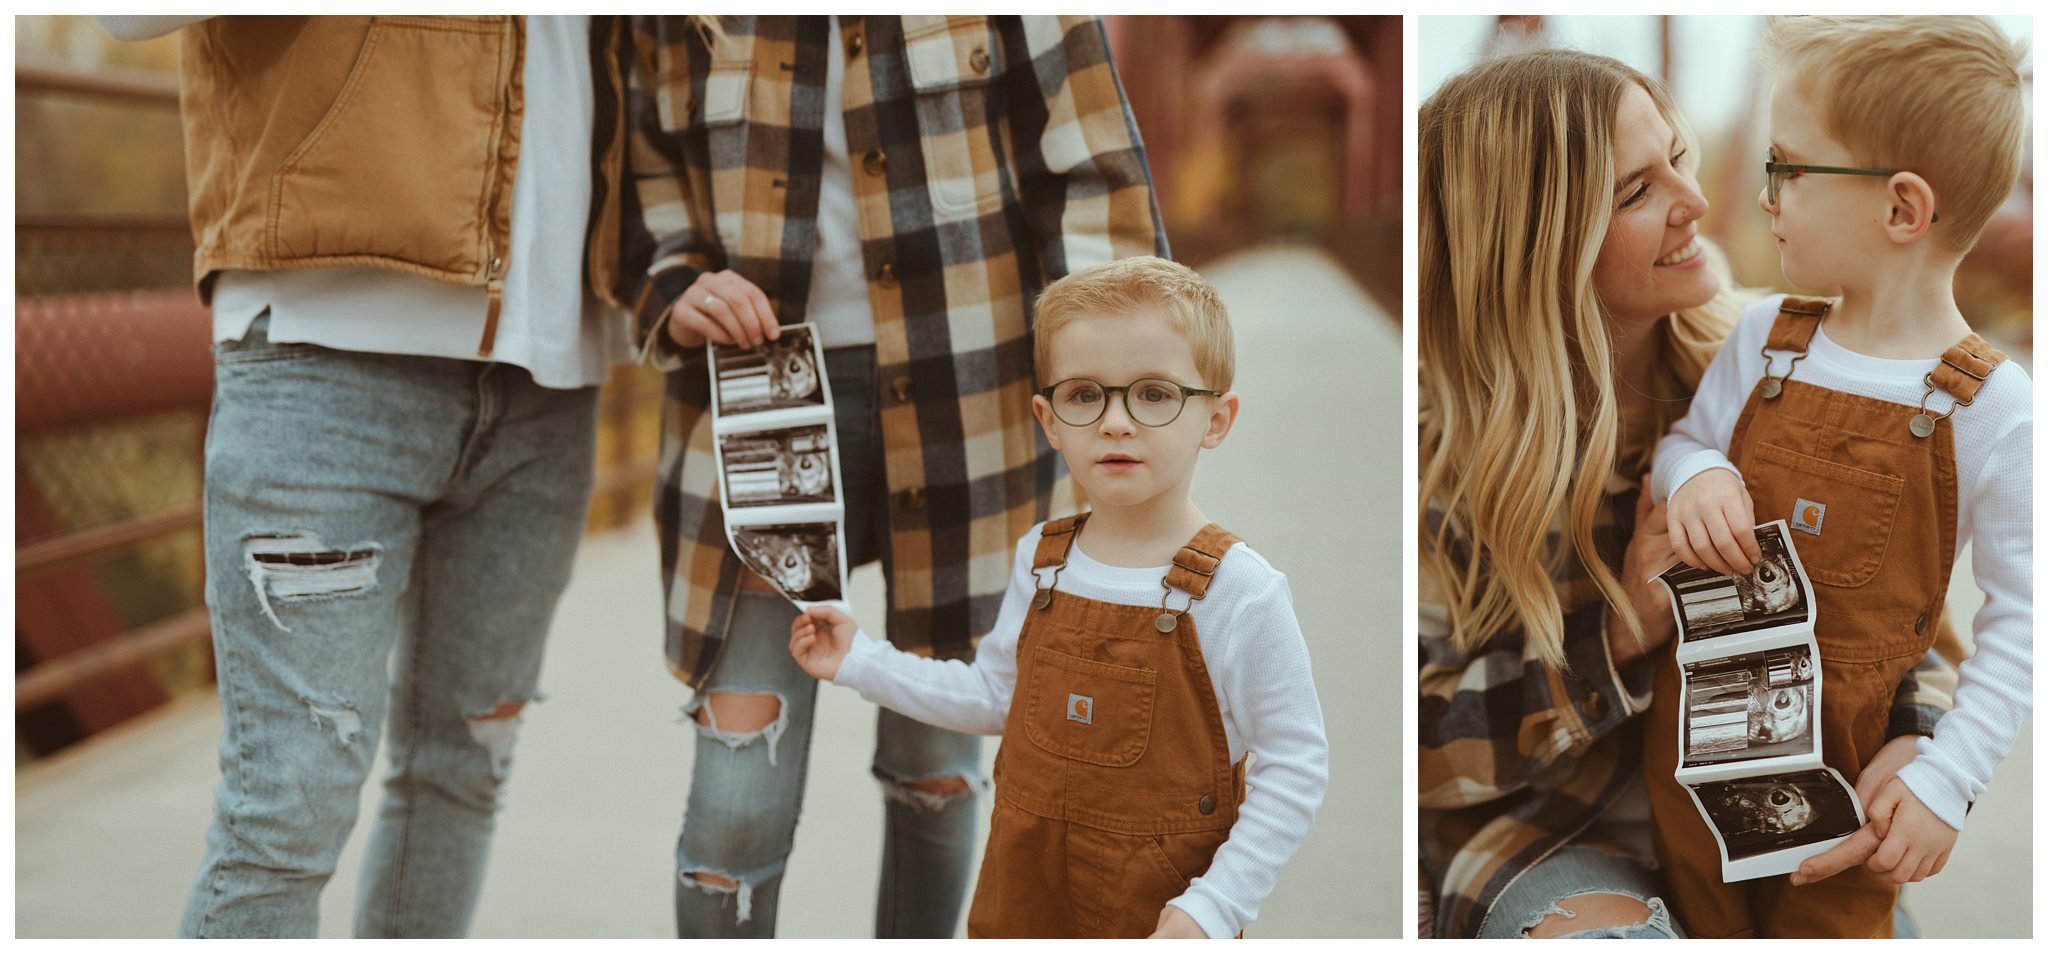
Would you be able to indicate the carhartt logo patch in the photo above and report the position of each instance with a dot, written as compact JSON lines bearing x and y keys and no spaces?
{"x":1807,"y":515}
{"x":1080,"y":708}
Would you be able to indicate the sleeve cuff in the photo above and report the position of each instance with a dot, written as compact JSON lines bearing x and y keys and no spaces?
{"x":1948,"y":800}
{"x":857,"y":669}
{"x":653,"y":345}
{"x":1206,"y":915}
{"x":1602,"y":694}
{"x":1665,"y":482}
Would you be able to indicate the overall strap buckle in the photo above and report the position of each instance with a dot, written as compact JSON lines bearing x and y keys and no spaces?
{"x":1194,"y":566}
{"x":1798,"y":319}
{"x":1964,"y":368}
{"x":1054,"y":542}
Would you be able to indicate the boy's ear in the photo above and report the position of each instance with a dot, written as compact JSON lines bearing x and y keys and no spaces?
{"x":1042,"y":410}
{"x":1220,"y":420}
{"x":1912,"y":207}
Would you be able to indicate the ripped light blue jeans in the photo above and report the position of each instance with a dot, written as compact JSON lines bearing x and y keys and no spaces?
{"x":1582,"y":869}
{"x":386,"y":539}
{"x":746,"y":788}
{"x":1572,"y":871}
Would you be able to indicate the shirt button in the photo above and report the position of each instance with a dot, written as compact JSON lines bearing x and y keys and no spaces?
{"x":853,"y":44}
{"x":886,"y":277}
{"x":874,"y":162}
{"x":1920,"y":625}
{"x":1208,"y":805}
{"x":901,"y":387}
{"x":978,"y":59}
{"x":913,"y":499}
{"x":1596,"y":706}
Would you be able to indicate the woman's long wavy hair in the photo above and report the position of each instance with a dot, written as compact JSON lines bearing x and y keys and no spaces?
{"x":1519,"y":420}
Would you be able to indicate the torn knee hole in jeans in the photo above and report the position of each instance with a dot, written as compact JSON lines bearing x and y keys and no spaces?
{"x":719,"y":883}
{"x":496,"y":730}
{"x":931,"y":793}
{"x":1604,"y":909}
{"x":741,"y":717}
{"x":299,"y":568}
{"x":346,"y":722}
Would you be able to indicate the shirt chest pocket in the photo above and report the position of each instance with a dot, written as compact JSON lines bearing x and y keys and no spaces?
{"x":1842,"y":517}
{"x":707,"y":106}
{"x":1088,"y":711}
{"x":952,"y":62}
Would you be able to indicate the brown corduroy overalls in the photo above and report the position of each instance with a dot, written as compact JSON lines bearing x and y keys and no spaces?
{"x":1114,"y":784}
{"x":1879,"y":481}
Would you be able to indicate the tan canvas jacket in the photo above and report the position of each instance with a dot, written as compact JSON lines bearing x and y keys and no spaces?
{"x":373,"y":141}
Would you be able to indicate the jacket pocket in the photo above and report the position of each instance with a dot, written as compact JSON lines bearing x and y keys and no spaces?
{"x":953,"y":62}
{"x":400,"y":164}
{"x":1855,"y":526}
{"x":1088,"y":711}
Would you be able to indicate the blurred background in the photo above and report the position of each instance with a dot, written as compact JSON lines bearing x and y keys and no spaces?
{"x":1710,"y":65}
{"x":1275,"y":146}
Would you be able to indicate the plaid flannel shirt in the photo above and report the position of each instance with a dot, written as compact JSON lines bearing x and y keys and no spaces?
{"x":991,"y":156}
{"x":1516,"y":757}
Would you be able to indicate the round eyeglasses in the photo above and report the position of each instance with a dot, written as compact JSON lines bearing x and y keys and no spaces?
{"x":1775,"y":173}
{"x":1152,"y":402}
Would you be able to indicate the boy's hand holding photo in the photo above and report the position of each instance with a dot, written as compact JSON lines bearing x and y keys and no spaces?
{"x":1916,"y":841}
{"x":1175,"y":923}
{"x":1713,"y":523}
{"x":1861,"y":847}
{"x":820,"y":640}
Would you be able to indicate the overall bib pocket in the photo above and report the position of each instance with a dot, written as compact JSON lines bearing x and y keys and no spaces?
{"x":1088,"y":711}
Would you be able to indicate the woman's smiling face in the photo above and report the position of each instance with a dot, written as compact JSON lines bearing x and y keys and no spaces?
{"x":1651,"y":263}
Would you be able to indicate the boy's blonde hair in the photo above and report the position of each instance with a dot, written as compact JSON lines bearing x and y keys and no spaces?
{"x":1129,"y":284}
{"x":1938,"y":96}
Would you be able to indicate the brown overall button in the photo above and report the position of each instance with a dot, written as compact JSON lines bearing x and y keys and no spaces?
{"x":1208,"y":805}
{"x":1920,"y":625}
{"x":1596,"y":706}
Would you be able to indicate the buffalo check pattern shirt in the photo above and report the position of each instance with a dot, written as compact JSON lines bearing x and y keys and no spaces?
{"x":991,"y":155}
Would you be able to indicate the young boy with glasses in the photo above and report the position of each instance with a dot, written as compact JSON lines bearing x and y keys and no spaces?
{"x":1141,"y":652}
{"x":1886,"y":434}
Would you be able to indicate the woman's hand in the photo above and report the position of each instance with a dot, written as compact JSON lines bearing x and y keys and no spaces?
{"x":1712,"y":524}
{"x":1649,"y":553}
{"x":725,"y":308}
{"x":819,"y":641}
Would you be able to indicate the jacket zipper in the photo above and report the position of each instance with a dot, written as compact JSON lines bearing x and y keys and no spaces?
{"x":494,"y":268}
{"x":494,"y":289}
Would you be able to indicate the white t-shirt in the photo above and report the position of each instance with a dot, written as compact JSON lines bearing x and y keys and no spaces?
{"x":548,"y":323}
{"x":839,"y":283}
{"x":1258,"y":666}
{"x":1994,"y":451}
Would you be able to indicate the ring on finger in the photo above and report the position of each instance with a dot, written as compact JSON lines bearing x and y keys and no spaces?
{"x":710,"y":300}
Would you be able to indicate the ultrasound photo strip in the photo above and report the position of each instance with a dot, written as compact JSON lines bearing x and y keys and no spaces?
{"x":786,"y":373}
{"x":778,"y":464}
{"x":780,"y":467}
{"x":1709,"y":605}
{"x":1766,"y":825}
{"x":1751,"y":707}
{"x":1749,"y":732}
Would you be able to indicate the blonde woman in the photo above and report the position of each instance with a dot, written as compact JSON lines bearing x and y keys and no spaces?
{"x":1568,"y":308}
